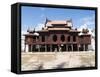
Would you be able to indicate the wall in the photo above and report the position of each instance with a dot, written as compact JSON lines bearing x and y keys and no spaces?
{"x":5,"y":42}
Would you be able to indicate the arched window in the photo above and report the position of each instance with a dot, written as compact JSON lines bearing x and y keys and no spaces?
{"x":54,"y":38}
{"x":62,"y":38}
{"x":43,"y":38}
{"x":68,"y":38}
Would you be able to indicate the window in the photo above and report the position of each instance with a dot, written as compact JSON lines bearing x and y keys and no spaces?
{"x":74,"y":38}
{"x":62,"y":38}
{"x":55,"y":38}
{"x":43,"y":38}
{"x":68,"y":38}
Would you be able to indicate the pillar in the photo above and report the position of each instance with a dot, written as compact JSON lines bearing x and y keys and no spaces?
{"x":78,"y":47}
{"x":72,"y":47}
{"x":31,"y":48}
{"x":50,"y":48}
{"x":24,"y":47}
{"x":59,"y":48}
{"x":27,"y":48}
{"x":87,"y":47}
{"x":84,"y":47}
{"x":39,"y":48}
{"x":66,"y":47}
{"x":45,"y":48}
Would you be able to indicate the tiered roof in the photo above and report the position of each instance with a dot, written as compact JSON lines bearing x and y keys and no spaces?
{"x":58,"y":25}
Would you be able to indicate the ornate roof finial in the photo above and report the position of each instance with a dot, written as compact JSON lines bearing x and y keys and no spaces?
{"x":28,"y":29}
{"x":46,"y":20}
{"x":34,"y":30}
{"x":70,"y":23}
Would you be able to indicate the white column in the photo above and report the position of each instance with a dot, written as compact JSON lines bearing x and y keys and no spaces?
{"x":59,"y":48}
{"x":24,"y":47}
{"x":27,"y":48}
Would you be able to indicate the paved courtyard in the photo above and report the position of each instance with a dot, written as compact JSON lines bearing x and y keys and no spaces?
{"x":54,"y":60}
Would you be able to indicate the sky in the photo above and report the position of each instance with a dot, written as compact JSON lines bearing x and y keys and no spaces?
{"x":34,"y":17}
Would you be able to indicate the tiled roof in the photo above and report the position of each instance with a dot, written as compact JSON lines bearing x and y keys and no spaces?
{"x":45,"y":30}
{"x":58,"y":29}
{"x":58,"y":22}
{"x":74,"y":30}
